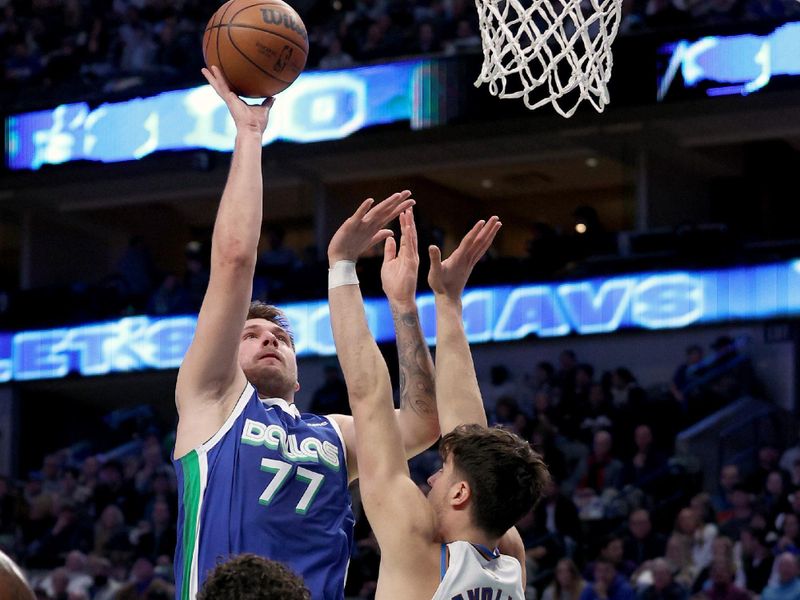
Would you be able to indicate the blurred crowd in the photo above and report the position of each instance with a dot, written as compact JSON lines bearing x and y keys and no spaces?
{"x":624,"y":518}
{"x":72,"y":47}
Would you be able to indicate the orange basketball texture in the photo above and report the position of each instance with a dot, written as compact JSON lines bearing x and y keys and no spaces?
{"x":260,"y":46}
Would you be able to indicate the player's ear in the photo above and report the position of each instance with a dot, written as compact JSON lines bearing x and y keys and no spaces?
{"x":296,"y":386}
{"x":460,"y":494}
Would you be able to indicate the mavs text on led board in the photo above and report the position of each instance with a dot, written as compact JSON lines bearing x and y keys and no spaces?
{"x":650,"y":301}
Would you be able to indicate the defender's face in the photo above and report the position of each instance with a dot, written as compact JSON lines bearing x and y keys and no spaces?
{"x":267,"y":358}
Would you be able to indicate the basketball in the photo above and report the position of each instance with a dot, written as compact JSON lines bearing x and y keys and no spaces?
{"x":261,"y":47}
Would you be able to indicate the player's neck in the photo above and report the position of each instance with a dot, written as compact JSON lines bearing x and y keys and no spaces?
{"x":466,"y":532}
{"x":288,"y":397}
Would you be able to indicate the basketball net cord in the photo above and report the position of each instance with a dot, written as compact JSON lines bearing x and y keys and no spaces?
{"x":552,"y":51}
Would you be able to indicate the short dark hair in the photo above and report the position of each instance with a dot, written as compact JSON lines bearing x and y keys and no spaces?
{"x":505,"y":475}
{"x":251,"y":577}
{"x":273,"y":314}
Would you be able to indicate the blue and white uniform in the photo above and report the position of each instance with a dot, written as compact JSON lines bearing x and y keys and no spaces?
{"x":473,"y":573}
{"x":272,"y":482}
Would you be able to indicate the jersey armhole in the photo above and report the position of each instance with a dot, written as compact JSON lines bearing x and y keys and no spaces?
{"x":338,"y":431}
{"x":238,"y":408}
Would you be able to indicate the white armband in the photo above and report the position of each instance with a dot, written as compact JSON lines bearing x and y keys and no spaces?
{"x":342,"y":273}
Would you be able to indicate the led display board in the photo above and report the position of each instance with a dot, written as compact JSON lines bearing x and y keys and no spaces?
{"x":323,"y":105}
{"x":725,"y":65}
{"x":650,"y":301}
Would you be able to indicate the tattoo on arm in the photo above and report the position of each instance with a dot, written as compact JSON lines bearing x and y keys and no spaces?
{"x":417,"y":386}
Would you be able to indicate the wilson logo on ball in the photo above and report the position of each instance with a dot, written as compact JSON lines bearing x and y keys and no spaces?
{"x":274,"y":17}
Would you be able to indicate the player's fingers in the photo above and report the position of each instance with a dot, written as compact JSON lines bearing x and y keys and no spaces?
{"x":486,"y":238}
{"x":392,"y":206}
{"x":389,"y":250}
{"x":412,"y":232}
{"x":268,"y":102}
{"x":362,"y":210}
{"x":436,"y":259}
{"x":380,"y":236}
{"x":222,"y":83}
{"x":468,"y":240}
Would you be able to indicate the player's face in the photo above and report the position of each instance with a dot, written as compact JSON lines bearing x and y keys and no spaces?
{"x":267,"y":358}
{"x":441,"y":483}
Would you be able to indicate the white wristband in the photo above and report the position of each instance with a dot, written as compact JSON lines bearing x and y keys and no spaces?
{"x":342,"y":273}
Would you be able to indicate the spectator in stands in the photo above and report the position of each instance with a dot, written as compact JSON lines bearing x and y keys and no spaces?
{"x":733,"y":522}
{"x":68,"y":533}
{"x":722,"y":549}
{"x":111,"y":534}
{"x":144,"y":584}
{"x":104,"y":586}
{"x":543,"y":378}
{"x":169,"y":298}
{"x":251,"y":577}
{"x":664,"y":587}
{"x":613,"y":550}
{"x":722,"y":586}
{"x":698,"y":537}
{"x":683,"y":374}
{"x":641,"y":542}
{"x":728,"y":478}
{"x":567,"y":363}
{"x":156,"y":536}
{"x":607,"y":584}
{"x":112,"y":488}
{"x":549,"y":529}
{"x":773,"y":500}
{"x":599,"y":470}
{"x":543,"y":439}
{"x":756,"y":559}
{"x":596,"y":414}
{"x":789,"y":526}
{"x":788,"y":585}
{"x":501,"y":384}
{"x":505,"y":412}
{"x":331,"y":396}
{"x":768,"y":457}
{"x":647,"y":463}
{"x":336,"y":57}
{"x":790,"y":456}
{"x":567,"y":583}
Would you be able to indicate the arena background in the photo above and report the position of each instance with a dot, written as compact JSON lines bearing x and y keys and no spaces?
{"x":666,"y":222}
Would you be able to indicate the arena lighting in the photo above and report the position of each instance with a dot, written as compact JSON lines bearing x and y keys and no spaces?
{"x":323,"y":105}
{"x":651,"y":301}
{"x":725,"y":65}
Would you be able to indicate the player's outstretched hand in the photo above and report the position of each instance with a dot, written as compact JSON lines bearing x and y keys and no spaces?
{"x":367,"y":227}
{"x":400,"y":266}
{"x":448,"y":277}
{"x":253,"y":117}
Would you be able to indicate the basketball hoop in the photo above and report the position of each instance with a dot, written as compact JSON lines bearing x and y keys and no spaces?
{"x":549,"y":51}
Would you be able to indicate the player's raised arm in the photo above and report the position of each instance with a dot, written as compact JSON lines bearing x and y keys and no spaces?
{"x":385,"y":483}
{"x":210,"y":380}
{"x":417,"y":417}
{"x":458,"y":397}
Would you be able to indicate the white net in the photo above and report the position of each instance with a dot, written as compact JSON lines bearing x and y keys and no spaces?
{"x":549,"y":51}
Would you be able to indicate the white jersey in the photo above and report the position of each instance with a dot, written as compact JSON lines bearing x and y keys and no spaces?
{"x":471,"y":576}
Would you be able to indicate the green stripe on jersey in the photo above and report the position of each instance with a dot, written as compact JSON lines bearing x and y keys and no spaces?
{"x":190,"y":464}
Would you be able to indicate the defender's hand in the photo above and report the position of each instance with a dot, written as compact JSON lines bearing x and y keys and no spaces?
{"x":248,"y":117}
{"x":400,"y":267}
{"x":366,"y":227}
{"x":448,"y":278}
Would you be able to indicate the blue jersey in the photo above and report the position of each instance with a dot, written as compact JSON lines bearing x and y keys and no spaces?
{"x":271,"y":482}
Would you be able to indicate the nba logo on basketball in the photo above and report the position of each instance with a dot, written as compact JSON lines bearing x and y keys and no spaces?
{"x":284,"y":57}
